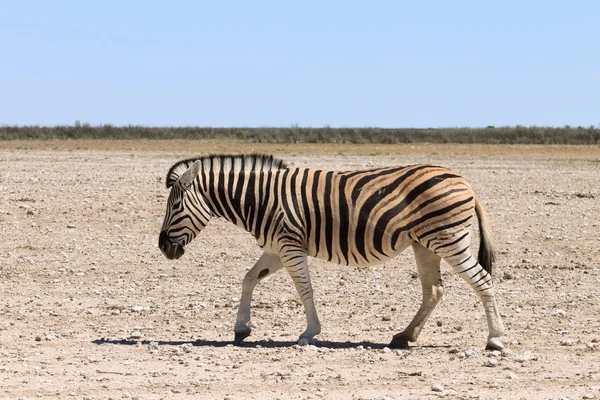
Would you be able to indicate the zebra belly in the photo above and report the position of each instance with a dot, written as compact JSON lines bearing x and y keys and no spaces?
{"x":353,"y":257}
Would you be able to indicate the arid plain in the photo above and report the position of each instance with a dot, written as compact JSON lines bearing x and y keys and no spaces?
{"x":90,"y":309}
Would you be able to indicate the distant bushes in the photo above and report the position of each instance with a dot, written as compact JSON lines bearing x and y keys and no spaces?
{"x":294,"y":134}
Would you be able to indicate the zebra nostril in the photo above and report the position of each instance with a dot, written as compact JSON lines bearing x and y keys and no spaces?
{"x":163,"y":241}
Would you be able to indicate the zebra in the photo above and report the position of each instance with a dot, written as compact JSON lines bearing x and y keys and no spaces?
{"x":357,"y":218}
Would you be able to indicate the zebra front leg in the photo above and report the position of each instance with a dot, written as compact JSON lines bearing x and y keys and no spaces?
{"x":296,"y":265}
{"x":266,"y":265}
{"x":428,"y":264}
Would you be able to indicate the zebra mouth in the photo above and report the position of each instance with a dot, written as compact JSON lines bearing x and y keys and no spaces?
{"x":171,"y":250}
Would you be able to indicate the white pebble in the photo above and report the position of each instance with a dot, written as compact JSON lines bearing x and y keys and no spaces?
{"x":559,"y":312}
{"x":491,"y":362}
{"x":135,"y":335}
{"x":506,"y":352}
{"x":437,"y":388}
{"x":471,"y":353}
{"x":567,"y":342}
{"x":526,"y":356}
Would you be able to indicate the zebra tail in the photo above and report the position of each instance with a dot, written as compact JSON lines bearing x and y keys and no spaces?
{"x":487,"y":254}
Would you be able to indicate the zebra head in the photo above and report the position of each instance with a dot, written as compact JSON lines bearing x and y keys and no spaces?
{"x":187,"y":213}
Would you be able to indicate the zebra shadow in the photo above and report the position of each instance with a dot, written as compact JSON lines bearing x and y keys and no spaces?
{"x":268,"y":344}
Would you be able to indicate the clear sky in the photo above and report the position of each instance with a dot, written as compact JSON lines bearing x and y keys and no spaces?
{"x":311,"y":63}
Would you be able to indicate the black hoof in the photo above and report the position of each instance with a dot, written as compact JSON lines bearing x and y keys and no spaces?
{"x":240,"y":336}
{"x":491,"y":348}
{"x":398,"y":344}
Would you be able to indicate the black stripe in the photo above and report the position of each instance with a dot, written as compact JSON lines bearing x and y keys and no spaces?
{"x":307,"y":213}
{"x":276,"y":224}
{"x":291,"y":215}
{"x":364,"y":215}
{"x":328,"y":215}
{"x":385,"y":219}
{"x":433,"y":200}
{"x":263,"y":201}
{"x":275,"y":191}
{"x":432,"y":214}
{"x":250,"y":201}
{"x":368,"y":177}
{"x":212,"y":193}
{"x":297,"y":215}
{"x":317,"y":210}
{"x":344,"y":219}
{"x":222,"y":192}
{"x":451,"y":243}
{"x":460,"y":252}
{"x":444,"y":227}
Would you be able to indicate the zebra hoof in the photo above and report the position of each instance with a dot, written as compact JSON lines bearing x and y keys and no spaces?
{"x":304,"y":341}
{"x":240,"y":336}
{"x":398,"y":343}
{"x":494,"y":344}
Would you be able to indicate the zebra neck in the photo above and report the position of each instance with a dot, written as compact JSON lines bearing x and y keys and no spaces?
{"x":236,"y":196}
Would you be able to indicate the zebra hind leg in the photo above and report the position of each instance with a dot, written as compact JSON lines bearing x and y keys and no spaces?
{"x":428,"y":264}
{"x":467,"y":267}
{"x":265,"y":266}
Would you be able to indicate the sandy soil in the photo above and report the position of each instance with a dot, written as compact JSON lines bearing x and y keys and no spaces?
{"x":90,"y":309}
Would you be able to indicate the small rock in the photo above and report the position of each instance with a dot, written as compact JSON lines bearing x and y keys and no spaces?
{"x":526,"y":356}
{"x":360,"y":347}
{"x":512,"y":375}
{"x":494,"y":353}
{"x":506,"y":352}
{"x":588,"y":396}
{"x":186,"y":347}
{"x":38,"y":338}
{"x":439,"y":323}
{"x":437,"y":388}
{"x":386,"y":350}
{"x":386,"y":318}
{"x":51,"y":336}
{"x":126,"y":395}
{"x":567,"y":342}
{"x":135,"y":335}
{"x":70,"y":226}
{"x":467,"y":353}
{"x":491,"y":362}
{"x":559,"y":312}
{"x":283,"y":373}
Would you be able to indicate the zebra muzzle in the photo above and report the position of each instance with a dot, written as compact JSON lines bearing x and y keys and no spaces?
{"x":170,"y":249}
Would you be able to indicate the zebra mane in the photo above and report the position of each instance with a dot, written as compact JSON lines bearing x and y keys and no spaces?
{"x":227,"y":162}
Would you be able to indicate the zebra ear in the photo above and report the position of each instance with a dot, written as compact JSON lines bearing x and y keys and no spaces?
{"x":189,"y":175}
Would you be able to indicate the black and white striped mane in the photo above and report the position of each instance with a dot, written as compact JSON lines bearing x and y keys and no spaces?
{"x":226,"y":162}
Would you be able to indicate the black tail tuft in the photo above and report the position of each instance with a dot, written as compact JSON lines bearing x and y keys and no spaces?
{"x":486,"y":256}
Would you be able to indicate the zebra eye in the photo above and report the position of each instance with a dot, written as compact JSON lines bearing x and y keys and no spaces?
{"x":177,"y":204}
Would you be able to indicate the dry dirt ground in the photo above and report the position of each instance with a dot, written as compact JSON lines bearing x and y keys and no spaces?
{"x":90,"y":309}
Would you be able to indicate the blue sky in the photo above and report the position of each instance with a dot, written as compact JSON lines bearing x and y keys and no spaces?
{"x":311,"y":63}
